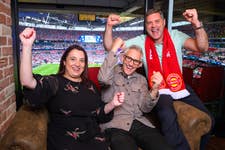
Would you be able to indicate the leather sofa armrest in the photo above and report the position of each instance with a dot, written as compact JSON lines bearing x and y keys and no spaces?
{"x":27,"y":131}
{"x":193,"y":122}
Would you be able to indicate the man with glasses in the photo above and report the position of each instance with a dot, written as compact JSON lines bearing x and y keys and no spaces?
{"x":129,"y":129}
{"x":162,"y":51}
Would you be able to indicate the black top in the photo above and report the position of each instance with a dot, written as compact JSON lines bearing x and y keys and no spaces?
{"x":75,"y":110}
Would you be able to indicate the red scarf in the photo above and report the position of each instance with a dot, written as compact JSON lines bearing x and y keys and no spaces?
{"x":173,"y":83}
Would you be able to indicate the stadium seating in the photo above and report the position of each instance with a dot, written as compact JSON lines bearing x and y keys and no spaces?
{"x":210,"y":85}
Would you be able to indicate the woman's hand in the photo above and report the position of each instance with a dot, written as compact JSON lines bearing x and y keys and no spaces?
{"x":27,"y":37}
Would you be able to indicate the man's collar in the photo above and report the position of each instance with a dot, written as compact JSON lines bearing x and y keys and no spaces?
{"x":120,"y":71}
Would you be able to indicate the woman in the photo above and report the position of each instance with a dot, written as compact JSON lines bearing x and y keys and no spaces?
{"x":73,"y":102}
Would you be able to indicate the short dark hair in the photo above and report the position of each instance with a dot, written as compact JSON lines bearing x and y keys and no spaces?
{"x":153,"y":11}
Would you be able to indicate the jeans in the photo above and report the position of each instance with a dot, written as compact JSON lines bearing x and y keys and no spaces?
{"x":168,"y":120}
{"x":139,"y":135}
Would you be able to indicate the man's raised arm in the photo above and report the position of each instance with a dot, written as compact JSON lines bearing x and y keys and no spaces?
{"x":112,"y":20}
{"x":200,"y":42}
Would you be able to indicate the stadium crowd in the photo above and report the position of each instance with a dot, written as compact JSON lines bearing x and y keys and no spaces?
{"x":51,"y":43}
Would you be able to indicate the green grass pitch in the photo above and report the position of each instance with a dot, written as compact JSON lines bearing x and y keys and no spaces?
{"x":47,"y":69}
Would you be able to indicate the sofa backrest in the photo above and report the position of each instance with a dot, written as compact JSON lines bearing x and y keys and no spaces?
{"x":93,"y":75}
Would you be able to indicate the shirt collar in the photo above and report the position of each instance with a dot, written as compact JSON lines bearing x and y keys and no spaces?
{"x":119,"y":70}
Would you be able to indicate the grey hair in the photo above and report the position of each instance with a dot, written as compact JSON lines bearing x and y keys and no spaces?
{"x":135,"y":47}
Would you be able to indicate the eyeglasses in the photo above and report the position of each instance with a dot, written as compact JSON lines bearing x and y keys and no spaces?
{"x":129,"y":59}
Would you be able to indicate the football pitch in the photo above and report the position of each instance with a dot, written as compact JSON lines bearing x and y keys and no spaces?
{"x":47,"y":69}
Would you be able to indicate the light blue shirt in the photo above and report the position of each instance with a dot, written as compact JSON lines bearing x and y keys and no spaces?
{"x":177,"y":37}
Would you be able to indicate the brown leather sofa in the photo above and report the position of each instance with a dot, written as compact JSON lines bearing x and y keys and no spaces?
{"x":28,"y":130}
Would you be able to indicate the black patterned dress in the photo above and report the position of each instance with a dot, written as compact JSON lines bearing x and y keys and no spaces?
{"x":75,"y":111}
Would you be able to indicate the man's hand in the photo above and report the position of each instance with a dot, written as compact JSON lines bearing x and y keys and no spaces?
{"x":156,"y":79}
{"x":118,"y":99}
{"x":118,"y":43}
{"x":191,"y":16}
{"x":113,"y":19}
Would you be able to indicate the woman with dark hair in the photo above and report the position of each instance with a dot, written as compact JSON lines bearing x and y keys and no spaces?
{"x":73,"y":102}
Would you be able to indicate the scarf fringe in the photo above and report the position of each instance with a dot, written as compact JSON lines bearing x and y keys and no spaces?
{"x":175,"y":95}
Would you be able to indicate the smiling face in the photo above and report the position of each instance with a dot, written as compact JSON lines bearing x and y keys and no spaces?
{"x":131,"y":60}
{"x":74,"y":65}
{"x":155,"y":25}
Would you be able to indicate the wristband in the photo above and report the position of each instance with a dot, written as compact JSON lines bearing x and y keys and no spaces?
{"x":119,"y":50}
{"x":200,"y":27}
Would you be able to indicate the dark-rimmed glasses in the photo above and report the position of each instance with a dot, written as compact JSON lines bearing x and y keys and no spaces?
{"x":129,"y":59}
